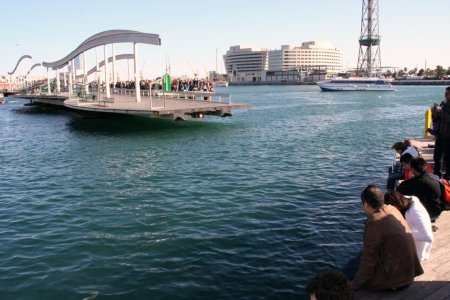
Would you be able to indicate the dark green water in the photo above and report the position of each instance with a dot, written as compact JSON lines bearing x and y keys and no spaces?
{"x":248,"y":207}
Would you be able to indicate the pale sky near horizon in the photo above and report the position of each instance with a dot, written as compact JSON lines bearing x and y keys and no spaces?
{"x":412,"y":31}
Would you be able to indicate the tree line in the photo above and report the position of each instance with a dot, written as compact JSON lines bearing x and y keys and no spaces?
{"x":438,"y":72}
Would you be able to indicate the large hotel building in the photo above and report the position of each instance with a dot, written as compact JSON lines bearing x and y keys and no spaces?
{"x":290,"y":63}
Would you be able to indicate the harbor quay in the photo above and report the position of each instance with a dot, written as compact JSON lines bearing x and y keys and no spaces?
{"x":421,"y":82}
{"x":434,"y":283}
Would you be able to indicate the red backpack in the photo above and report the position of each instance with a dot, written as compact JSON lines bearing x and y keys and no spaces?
{"x":445,"y":194}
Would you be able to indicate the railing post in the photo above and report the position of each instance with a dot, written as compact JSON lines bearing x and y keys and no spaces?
{"x":108,"y":91}
{"x":137,"y":76}
{"x":48,"y":82}
{"x":428,"y":119}
{"x":150,"y":95}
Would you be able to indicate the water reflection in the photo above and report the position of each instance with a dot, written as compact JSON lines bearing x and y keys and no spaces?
{"x":101,"y":124}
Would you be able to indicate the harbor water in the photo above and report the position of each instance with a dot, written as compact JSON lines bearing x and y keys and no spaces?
{"x":248,"y":207}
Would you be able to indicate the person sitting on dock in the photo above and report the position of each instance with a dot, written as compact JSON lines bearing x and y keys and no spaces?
{"x":405,"y":160}
{"x":417,"y":218}
{"x":441,"y":115}
{"x":424,"y":186}
{"x":397,"y":172}
{"x":389,"y":258}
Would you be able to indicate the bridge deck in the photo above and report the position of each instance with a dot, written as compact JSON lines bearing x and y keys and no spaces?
{"x":172,"y":105}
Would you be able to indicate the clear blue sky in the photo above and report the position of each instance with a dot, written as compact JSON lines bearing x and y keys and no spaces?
{"x":412,"y":31}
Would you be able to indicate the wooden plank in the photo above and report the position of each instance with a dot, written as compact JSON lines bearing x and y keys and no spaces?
{"x":440,"y":293}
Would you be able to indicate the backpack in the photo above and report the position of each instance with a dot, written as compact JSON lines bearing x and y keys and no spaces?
{"x":445,"y":194}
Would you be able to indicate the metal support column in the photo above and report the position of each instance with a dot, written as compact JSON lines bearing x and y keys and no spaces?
{"x":137,"y":75}
{"x":48,"y":81}
{"x":58,"y":85}
{"x":114,"y":66}
{"x":74,"y":71}
{"x":85,"y":77}
{"x":128,"y":65}
{"x":108,"y":91}
{"x":69,"y":66}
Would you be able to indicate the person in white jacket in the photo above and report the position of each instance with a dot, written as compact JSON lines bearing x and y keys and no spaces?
{"x":417,"y":218}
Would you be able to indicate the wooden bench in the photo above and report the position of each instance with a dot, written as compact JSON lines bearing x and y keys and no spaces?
{"x":106,"y":100}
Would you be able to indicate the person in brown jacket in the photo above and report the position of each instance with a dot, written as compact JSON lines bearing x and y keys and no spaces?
{"x":389,"y":260}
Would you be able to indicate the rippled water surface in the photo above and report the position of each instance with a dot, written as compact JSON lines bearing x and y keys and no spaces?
{"x":245,"y":207}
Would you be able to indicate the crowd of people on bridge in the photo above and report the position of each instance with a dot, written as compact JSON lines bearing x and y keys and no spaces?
{"x":400,"y":222}
{"x":177,"y":85}
{"x":192,"y":85}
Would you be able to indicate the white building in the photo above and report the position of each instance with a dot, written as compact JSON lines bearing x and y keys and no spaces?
{"x":309,"y":56}
{"x":246,"y":63}
{"x":311,"y":61}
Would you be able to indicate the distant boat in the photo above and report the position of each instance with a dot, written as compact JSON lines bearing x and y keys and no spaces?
{"x":2,"y":98}
{"x":355,"y":84}
{"x":221,"y":83}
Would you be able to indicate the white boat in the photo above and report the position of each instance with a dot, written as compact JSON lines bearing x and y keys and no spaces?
{"x":222,"y":83}
{"x":355,"y":84}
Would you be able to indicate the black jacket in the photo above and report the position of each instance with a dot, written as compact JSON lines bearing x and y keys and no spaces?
{"x":443,"y":117}
{"x":427,"y":188}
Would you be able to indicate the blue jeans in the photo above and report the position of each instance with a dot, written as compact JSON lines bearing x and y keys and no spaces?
{"x":437,"y":155}
{"x":352,"y":266}
{"x":396,"y":174}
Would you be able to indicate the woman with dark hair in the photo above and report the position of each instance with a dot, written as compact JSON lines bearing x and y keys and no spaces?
{"x":405,"y":160}
{"x":424,"y":186}
{"x":396,"y":172}
{"x":417,"y":218}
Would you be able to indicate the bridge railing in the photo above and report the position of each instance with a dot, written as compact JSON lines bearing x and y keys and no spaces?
{"x":191,"y":95}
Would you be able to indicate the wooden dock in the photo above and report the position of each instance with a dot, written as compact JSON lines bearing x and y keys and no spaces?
{"x":172,"y":105}
{"x":435,"y":282}
{"x":44,"y":98}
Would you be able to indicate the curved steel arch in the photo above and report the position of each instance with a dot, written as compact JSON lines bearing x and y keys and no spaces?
{"x":110,"y":59}
{"x":18,"y":62}
{"x":107,"y":37}
{"x":32,"y":67}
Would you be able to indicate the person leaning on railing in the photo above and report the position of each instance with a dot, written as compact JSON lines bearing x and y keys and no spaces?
{"x":441,"y":115}
{"x":397,"y":172}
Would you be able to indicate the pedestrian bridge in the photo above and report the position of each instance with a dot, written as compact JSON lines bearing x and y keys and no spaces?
{"x":107,"y":99}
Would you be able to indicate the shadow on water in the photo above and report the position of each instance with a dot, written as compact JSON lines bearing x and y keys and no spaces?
{"x":91,"y":123}
{"x":39,"y":109}
{"x":128,"y":125}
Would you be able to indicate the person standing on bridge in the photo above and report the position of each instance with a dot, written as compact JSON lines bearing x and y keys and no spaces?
{"x":441,"y":115}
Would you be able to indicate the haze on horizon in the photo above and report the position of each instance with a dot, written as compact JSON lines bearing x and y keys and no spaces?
{"x":412,"y":31}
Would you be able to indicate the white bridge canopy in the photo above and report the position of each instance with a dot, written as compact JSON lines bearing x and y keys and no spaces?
{"x":104,"y":38}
